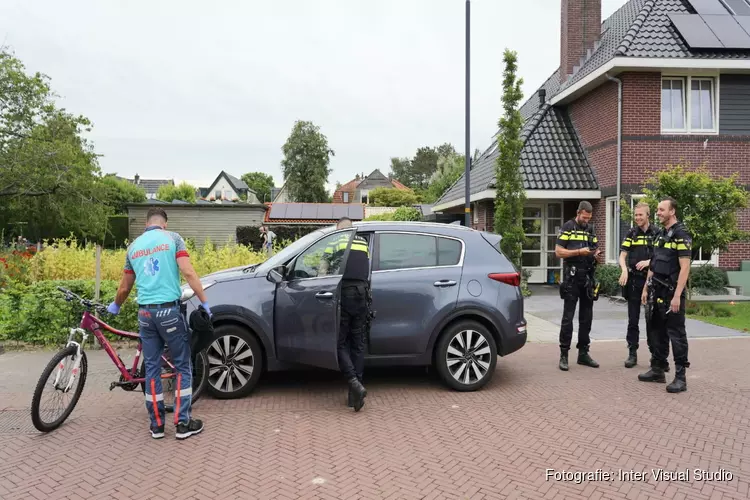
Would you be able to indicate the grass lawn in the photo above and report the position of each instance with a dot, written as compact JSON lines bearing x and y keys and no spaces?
{"x":736,"y":316}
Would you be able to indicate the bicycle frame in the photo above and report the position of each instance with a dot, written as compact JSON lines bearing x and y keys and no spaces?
{"x":90,"y":323}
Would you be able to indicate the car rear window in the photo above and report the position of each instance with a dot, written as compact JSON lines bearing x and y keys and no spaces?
{"x":405,"y":251}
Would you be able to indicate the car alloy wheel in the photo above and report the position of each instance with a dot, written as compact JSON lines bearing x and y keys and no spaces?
{"x":231,"y":362}
{"x":468,"y":357}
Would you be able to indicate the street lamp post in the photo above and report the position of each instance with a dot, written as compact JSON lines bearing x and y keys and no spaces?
{"x":467,"y":162}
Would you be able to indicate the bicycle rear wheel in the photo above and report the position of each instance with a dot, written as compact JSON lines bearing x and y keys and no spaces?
{"x":169,"y":385}
{"x":60,"y":368}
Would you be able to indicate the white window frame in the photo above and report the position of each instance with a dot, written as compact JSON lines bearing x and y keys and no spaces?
{"x":346,"y":197}
{"x":611,"y":253}
{"x":687,"y":80}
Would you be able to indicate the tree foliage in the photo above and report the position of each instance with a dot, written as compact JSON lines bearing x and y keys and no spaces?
{"x":400,"y":214}
{"x":183,"y":191}
{"x":306,"y":163}
{"x":117,"y":193}
{"x":450,"y":167}
{"x":417,"y":172}
{"x":48,"y":171}
{"x":391,"y":197}
{"x":707,"y":204}
{"x":261,"y":183}
{"x":510,"y":195}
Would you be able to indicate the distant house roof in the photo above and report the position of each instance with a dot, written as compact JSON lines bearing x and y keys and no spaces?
{"x":351,"y":186}
{"x":150,"y":186}
{"x":312,"y":213}
{"x":237,"y":184}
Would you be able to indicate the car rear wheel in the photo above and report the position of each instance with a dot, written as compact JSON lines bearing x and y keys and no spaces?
{"x":235,"y":362}
{"x":466,"y":355}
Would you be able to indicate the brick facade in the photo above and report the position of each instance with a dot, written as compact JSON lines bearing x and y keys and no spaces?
{"x":645,"y":149}
{"x":580,"y":26}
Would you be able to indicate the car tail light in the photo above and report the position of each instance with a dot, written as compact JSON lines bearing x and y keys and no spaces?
{"x":513,"y":279}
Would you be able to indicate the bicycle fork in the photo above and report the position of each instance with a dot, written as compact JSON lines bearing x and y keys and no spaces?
{"x":77,"y":363}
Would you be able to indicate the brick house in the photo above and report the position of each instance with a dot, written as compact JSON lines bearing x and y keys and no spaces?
{"x":654,"y":50}
{"x":358,"y":189}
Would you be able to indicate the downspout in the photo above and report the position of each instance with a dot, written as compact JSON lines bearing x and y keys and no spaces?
{"x":619,"y":154}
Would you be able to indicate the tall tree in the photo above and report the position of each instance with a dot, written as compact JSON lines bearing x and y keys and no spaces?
{"x":510,"y":195}
{"x":117,"y":193}
{"x":306,"y":163}
{"x":261,"y":183}
{"x":48,"y":171}
{"x":401,"y":169}
{"x":183,"y":191}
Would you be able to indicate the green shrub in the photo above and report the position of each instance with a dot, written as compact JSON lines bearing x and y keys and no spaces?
{"x":708,"y":309}
{"x":708,"y":279}
{"x":250,"y":235}
{"x":608,"y":276}
{"x":400,"y":214}
{"x":38,"y":313}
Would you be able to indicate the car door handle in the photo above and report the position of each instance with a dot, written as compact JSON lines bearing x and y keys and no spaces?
{"x":324,"y":295}
{"x":444,"y":283}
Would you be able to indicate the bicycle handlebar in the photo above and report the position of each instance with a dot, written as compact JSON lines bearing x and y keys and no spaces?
{"x":89,"y":304}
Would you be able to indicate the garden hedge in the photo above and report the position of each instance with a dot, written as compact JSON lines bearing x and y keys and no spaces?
{"x":250,"y":235}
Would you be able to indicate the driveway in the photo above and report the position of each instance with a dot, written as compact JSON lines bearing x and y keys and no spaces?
{"x":610,"y":317}
{"x":414,"y":439}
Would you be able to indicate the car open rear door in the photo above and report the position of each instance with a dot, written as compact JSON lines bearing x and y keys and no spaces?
{"x":307,"y":305}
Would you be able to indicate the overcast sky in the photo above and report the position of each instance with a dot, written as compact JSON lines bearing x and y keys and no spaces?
{"x":184,"y":89}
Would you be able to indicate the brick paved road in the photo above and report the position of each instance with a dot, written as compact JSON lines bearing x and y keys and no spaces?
{"x":414,"y":439}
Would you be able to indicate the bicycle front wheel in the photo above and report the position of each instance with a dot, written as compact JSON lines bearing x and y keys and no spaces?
{"x":65,"y":375}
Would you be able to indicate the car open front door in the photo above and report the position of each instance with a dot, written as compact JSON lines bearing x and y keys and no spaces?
{"x":307,"y":305}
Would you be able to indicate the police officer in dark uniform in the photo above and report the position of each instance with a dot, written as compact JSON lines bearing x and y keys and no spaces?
{"x":665,"y":296}
{"x":355,"y":310}
{"x":635,"y":255}
{"x":577,"y":245}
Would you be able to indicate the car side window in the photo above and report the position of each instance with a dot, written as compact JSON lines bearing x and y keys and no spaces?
{"x":449,"y":252}
{"x":310,"y":263}
{"x":403,"y":251}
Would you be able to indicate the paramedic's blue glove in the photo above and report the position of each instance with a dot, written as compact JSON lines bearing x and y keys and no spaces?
{"x":113,"y":308}
{"x":208,"y":310}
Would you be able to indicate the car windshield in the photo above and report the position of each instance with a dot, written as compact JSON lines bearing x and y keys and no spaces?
{"x":290,"y":251}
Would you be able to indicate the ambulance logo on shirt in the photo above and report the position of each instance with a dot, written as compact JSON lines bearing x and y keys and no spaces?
{"x":151,"y":266}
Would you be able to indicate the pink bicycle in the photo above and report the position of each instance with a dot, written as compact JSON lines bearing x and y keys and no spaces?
{"x":66,"y":371}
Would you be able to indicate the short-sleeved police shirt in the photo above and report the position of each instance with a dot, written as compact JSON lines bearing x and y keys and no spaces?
{"x":573,"y":236}
{"x":639,"y":245}
{"x":670,"y":245}
{"x":358,"y":262}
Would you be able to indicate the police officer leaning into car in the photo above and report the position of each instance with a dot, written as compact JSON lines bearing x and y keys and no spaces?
{"x":355,"y":290}
{"x":578,"y":247}
{"x":635,"y":255}
{"x":668,"y":275}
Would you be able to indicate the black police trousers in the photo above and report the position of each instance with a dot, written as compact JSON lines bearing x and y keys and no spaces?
{"x":634,"y":289}
{"x":575,"y":291}
{"x":353,"y":326}
{"x":666,"y":327}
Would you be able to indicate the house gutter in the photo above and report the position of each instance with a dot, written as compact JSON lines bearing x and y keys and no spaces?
{"x":619,"y":151}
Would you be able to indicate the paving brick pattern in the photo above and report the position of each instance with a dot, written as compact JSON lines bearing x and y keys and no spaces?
{"x":294,"y":438}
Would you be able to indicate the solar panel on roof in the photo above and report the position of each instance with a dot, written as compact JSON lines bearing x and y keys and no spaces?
{"x":740,"y":7}
{"x":278,"y":211}
{"x":728,"y":31}
{"x":744,"y":21}
{"x":309,"y":211}
{"x":356,"y":212}
{"x":294,"y":211}
{"x":325,"y":211}
{"x":709,"y":7}
{"x":340,"y":211}
{"x":695,"y":32}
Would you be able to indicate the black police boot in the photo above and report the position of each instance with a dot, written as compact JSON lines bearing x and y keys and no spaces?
{"x":585,"y":359}
{"x":357,"y":392}
{"x":564,"y":360}
{"x":679,"y":383}
{"x":655,"y":374}
{"x":632,"y":358}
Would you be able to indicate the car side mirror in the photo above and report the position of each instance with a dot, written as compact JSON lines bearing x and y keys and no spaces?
{"x":274,"y":276}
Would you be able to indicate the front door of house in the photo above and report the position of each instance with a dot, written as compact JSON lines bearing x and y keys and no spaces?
{"x":541,"y":223}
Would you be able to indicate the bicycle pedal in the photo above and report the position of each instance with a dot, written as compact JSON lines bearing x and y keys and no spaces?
{"x":112,"y":385}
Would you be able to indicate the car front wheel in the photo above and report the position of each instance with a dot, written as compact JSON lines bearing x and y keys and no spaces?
{"x":235,"y":362}
{"x":466,"y":355}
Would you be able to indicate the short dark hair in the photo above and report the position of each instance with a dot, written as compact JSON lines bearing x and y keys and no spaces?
{"x":672,"y":202}
{"x":156,"y":212}
{"x":585,"y":206}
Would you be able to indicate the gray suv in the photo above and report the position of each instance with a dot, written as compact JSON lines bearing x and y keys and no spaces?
{"x":444,"y":295}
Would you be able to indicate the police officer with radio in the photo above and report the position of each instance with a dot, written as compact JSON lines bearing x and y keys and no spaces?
{"x":665,"y":296}
{"x":355,"y":307}
{"x":577,"y":245}
{"x":635,"y":255}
